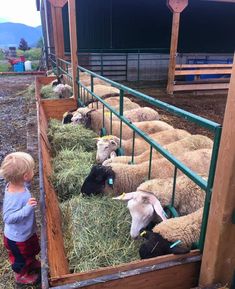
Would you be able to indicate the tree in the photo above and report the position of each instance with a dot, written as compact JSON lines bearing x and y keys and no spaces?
{"x":40,"y":43}
{"x":23,"y":45}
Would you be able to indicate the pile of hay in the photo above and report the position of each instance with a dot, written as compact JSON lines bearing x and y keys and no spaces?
{"x":70,"y":168}
{"x":97,"y":233}
{"x":47,"y":92}
{"x":71,"y":137}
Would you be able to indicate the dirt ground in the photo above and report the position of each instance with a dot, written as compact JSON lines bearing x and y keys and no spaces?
{"x":210,"y":106}
{"x":14,"y":118}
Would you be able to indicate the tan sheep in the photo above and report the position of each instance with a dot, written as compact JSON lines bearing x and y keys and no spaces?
{"x":113,"y":101}
{"x":94,"y":117}
{"x":107,"y":145}
{"x":102,"y":91}
{"x":129,"y":177}
{"x":190,"y":143}
{"x":189,"y":197}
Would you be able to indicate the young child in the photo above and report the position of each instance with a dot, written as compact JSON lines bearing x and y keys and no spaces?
{"x":20,"y":238}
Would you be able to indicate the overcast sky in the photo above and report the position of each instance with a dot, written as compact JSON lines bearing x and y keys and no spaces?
{"x":20,"y":11}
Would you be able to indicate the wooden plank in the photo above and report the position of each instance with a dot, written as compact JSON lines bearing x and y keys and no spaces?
{"x":201,"y":86}
{"x":55,"y":108}
{"x":173,"y":51}
{"x":56,"y":252}
{"x":156,"y":276}
{"x":73,"y":44}
{"x":203,"y":71}
{"x":58,"y":3}
{"x":57,"y":24}
{"x":70,"y":278}
{"x":219,"y":251}
{"x":183,"y":66}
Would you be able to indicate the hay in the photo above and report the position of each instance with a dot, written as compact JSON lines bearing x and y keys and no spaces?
{"x":70,"y":168}
{"x":97,"y":233}
{"x":47,"y":92}
{"x":71,"y":137}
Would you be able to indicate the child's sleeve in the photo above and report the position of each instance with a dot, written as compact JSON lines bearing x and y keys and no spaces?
{"x":11,"y":216}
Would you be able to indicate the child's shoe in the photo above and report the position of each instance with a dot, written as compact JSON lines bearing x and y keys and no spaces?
{"x":26,"y":278}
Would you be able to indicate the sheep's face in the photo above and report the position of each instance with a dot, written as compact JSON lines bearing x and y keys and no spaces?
{"x":142,"y":213}
{"x":96,"y":180}
{"x":77,"y":118}
{"x":144,"y":208}
{"x":105,"y":149}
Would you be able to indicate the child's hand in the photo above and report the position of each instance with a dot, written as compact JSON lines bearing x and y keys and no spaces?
{"x":32,"y":202}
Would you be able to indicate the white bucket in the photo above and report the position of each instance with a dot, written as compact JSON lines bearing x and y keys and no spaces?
{"x":28,"y":65}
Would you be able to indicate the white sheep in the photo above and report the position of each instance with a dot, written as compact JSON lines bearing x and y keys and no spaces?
{"x":126,"y":178}
{"x":109,"y":144}
{"x":189,"y":197}
{"x":190,"y":143}
{"x":63,"y":90}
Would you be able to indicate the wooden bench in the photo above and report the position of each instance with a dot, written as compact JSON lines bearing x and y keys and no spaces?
{"x":197,"y":70}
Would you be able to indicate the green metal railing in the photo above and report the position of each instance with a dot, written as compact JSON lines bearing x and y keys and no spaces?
{"x":60,"y":66}
{"x":85,"y":95}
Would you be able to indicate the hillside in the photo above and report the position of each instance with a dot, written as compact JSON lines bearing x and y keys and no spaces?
{"x":11,"y":33}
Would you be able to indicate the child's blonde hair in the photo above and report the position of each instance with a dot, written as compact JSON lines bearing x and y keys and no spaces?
{"x":15,"y":166}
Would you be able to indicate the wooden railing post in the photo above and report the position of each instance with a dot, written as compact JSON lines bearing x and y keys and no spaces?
{"x":176,"y":6}
{"x":73,"y":44}
{"x":57,"y":24}
{"x":218,"y":262}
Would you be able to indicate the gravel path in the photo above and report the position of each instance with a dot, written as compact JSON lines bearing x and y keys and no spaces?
{"x":15,"y":114}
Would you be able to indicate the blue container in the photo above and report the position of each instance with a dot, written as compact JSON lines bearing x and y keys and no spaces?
{"x":19,"y":67}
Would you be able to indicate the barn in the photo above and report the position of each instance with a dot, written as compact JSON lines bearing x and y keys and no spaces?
{"x":186,"y":45}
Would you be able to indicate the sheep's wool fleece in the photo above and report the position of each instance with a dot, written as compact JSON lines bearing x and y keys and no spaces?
{"x":186,"y":228}
{"x":104,"y":90}
{"x":189,"y":197}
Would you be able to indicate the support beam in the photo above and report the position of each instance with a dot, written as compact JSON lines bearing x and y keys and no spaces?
{"x":58,"y":3}
{"x":58,"y":31}
{"x":218,"y":262}
{"x":176,"y":6}
{"x":73,"y":44}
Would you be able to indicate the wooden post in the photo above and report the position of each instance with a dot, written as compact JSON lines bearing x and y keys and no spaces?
{"x":176,"y":6}
{"x":58,"y":31}
{"x":73,"y":44}
{"x":218,"y":262}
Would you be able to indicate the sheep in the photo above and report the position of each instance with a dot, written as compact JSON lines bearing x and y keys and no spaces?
{"x":85,"y":79}
{"x":155,"y":245}
{"x":186,"y":144}
{"x":94,"y":117}
{"x":102,"y":91}
{"x":129,"y":177}
{"x":58,"y":80}
{"x":67,"y":116}
{"x":184,"y":230}
{"x":188,"y":198}
{"x":113,"y":101}
{"x":63,"y":90}
{"x":107,"y":145}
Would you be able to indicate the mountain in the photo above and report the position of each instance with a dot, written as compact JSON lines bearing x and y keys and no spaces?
{"x":11,"y":33}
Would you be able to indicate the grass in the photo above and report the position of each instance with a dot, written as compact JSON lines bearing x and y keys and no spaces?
{"x":32,"y":54}
{"x":70,"y":168}
{"x":96,"y":233}
{"x":70,"y":137}
{"x":4,"y":67}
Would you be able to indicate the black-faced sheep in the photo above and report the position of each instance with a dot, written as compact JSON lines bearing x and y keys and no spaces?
{"x":155,"y":245}
{"x":59,"y":80}
{"x":105,"y":145}
{"x":190,"y":143}
{"x":129,"y":177}
{"x":182,"y":230}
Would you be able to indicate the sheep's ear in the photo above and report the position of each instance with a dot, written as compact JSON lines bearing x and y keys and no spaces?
{"x":157,"y":207}
{"x":124,"y":197}
{"x":88,"y":113}
{"x":113,"y":142}
{"x":113,"y":155}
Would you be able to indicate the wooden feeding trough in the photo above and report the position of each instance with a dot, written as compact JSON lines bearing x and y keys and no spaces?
{"x":170,"y":271}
